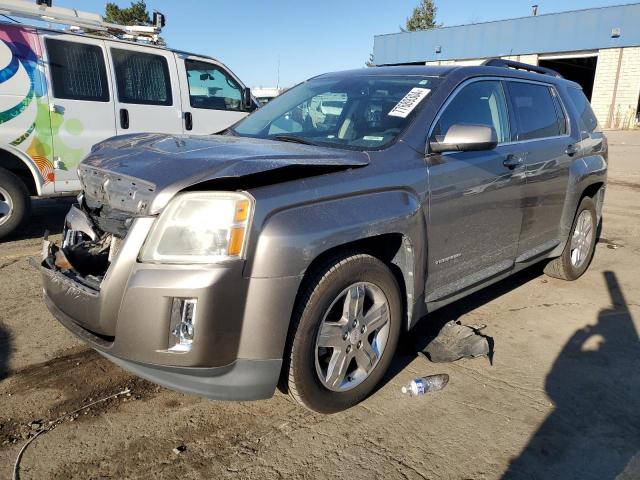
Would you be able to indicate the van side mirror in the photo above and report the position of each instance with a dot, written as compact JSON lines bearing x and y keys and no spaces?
{"x":466,"y":138}
{"x":247,"y":101}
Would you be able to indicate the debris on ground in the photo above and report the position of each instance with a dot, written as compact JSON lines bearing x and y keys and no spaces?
{"x":40,"y":428}
{"x":180,"y":449}
{"x":35,"y":425}
{"x":422,"y":385}
{"x":457,"y":341}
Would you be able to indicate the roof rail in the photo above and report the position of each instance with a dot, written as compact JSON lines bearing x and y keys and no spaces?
{"x":500,"y":62}
{"x":77,"y":19}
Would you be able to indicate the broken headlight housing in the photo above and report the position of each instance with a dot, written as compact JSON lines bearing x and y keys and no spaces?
{"x":200,"y":227}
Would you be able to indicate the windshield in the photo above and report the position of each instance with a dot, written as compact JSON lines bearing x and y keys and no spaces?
{"x":359,"y":112}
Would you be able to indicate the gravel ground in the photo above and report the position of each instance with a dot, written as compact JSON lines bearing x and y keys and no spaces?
{"x":561,"y":399}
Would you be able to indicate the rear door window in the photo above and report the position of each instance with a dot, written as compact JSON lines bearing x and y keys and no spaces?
{"x":535,"y":111}
{"x":478,"y":103}
{"x":142,"y":78}
{"x":588,"y":120}
{"x":212,"y":88}
{"x":77,"y":71}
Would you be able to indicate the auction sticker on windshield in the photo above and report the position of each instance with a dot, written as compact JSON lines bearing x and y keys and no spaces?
{"x":410,"y":101}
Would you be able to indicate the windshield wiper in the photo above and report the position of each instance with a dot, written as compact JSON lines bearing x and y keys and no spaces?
{"x":293,"y":139}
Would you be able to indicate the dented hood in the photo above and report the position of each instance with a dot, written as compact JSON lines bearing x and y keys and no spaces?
{"x":141,"y":173}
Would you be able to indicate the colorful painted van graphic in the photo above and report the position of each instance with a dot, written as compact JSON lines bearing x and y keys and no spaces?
{"x":61,"y":92}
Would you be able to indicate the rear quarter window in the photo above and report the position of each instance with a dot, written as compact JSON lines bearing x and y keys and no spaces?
{"x":535,"y":111}
{"x":587,"y":118}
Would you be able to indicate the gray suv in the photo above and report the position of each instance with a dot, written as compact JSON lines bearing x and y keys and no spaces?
{"x":295,"y":247}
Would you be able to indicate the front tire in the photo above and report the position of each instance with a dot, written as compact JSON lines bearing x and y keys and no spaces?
{"x":578,"y":252}
{"x":15,"y":203}
{"x":344,"y":333}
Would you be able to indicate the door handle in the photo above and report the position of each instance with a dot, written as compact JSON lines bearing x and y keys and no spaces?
{"x":124,"y":118}
{"x":572,"y":150}
{"x":188,"y":121}
{"x":512,"y":161}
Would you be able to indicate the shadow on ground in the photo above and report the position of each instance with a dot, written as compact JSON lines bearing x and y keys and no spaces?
{"x":5,"y":351}
{"x":46,"y":214}
{"x":594,"y":430}
{"x":429,"y":327}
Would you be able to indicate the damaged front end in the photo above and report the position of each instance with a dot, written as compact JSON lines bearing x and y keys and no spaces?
{"x":91,"y":240}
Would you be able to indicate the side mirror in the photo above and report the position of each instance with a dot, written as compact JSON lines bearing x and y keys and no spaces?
{"x":247,"y":101}
{"x":466,"y":138}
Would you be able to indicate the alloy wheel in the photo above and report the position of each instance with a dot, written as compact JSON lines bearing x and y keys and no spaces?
{"x":352,"y":336}
{"x":6,"y":206}
{"x":581,"y":239}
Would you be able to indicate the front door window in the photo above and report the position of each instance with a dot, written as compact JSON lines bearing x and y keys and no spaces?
{"x":479,"y":103}
{"x":212,"y":88}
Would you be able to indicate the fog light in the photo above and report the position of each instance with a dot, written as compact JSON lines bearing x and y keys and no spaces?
{"x":182,"y":328}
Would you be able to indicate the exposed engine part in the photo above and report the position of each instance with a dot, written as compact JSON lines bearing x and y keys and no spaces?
{"x":89,"y":257}
{"x":91,"y":241}
{"x":77,"y":221}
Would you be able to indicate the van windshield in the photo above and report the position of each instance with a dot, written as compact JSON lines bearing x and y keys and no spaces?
{"x":359,"y":112}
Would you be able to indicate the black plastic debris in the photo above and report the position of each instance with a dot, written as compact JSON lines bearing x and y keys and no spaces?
{"x":457,"y":341}
{"x":180,"y":449}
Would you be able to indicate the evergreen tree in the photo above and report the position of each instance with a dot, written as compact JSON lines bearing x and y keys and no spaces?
{"x":423,"y":17}
{"x":136,"y":14}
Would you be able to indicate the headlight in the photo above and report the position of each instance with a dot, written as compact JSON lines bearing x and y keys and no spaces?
{"x":200,"y":227}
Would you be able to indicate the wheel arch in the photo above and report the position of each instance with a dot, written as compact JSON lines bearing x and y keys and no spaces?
{"x":388,"y":225}
{"x":393,"y":249}
{"x":21,"y":165}
{"x":587,"y":177}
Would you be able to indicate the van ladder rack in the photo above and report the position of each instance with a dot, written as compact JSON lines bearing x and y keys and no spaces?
{"x":77,"y":19}
{"x":499,"y":62}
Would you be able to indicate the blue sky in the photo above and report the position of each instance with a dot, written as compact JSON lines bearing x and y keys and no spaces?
{"x":309,"y":37}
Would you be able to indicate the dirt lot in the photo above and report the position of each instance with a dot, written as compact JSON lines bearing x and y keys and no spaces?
{"x":561,"y":399}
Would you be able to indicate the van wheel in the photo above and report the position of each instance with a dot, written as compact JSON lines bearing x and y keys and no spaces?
{"x":15,"y":203}
{"x":344,"y":333}
{"x":578,"y":252}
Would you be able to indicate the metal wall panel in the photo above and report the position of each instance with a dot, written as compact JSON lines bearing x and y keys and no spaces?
{"x":588,"y":29}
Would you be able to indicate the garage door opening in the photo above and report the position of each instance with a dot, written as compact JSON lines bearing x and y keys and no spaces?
{"x":581,"y":70}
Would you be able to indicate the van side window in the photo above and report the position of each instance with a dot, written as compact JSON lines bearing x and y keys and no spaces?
{"x":142,"y":78}
{"x":589,"y":122}
{"x":535,"y":111}
{"x":211,"y":88}
{"x":77,"y":71}
{"x":479,"y":103}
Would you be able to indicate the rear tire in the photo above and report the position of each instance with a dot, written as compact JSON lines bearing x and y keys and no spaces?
{"x":355,"y":301}
{"x":15,"y":203}
{"x":578,"y":252}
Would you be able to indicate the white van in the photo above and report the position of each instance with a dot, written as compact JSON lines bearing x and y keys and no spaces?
{"x":62,"y":92}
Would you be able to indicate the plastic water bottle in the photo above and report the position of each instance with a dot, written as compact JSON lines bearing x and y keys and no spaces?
{"x":422,"y":385}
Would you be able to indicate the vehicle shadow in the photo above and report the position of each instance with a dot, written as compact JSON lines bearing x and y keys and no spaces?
{"x":46,"y":214}
{"x":594,"y":430}
{"x":5,"y":351}
{"x":429,"y":327}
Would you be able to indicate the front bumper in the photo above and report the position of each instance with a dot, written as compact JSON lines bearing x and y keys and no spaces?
{"x":240,"y":329}
{"x":242,"y":379}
